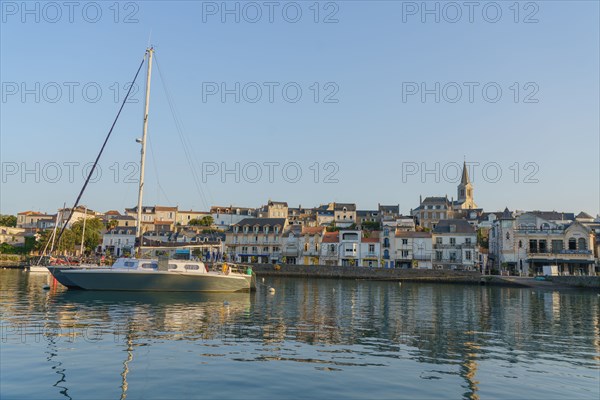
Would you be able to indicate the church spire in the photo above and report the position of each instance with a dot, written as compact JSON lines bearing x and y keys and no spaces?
{"x":465,"y":175}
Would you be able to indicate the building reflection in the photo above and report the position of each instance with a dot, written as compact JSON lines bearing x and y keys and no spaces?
{"x":454,"y":327}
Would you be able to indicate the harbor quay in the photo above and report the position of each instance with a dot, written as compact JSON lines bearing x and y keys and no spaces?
{"x":424,"y":276}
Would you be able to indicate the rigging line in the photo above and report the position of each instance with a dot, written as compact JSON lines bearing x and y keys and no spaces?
{"x":186,"y":146}
{"x":155,"y":166}
{"x":186,"y":143}
{"x":62,"y":230}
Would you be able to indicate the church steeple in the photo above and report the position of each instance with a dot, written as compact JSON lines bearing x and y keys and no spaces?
{"x":465,"y":175}
{"x":465,"y":190}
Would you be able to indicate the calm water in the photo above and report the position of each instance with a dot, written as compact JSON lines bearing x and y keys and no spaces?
{"x":311,"y":339}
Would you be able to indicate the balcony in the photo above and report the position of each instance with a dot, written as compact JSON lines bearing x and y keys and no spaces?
{"x":562,"y":255}
{"x":454,"y":246}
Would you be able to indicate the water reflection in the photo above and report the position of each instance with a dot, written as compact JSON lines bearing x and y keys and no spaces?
{"x":440,"y":331}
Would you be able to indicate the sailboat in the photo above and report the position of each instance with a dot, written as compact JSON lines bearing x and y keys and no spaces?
{"x":164,"y":274}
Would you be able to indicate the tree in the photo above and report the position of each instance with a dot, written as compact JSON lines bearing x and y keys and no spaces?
{"x":204,"y":221}
{"x":93,"y":233}
{"x":371,"y":226}
{"x":111,"y":224}
{"x":8,"y":220}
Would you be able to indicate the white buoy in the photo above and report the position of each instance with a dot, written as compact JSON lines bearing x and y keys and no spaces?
{"x":263,"y":279}
{"x":271,"y":290}
{"x":399,"y":283}
{"x":46,"y":287}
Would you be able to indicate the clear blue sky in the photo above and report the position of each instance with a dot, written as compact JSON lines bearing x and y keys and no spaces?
{"x":371,"y":134}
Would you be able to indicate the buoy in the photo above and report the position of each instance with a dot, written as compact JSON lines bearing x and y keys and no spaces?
{"x":46,"y":287}
{"x":399,"y":283}
{"x":271,"y":290}
{"x":263,"y":279}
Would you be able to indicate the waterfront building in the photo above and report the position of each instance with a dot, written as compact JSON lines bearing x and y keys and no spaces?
{"x":387,"y":245}
{"x":349,"y":247}
{"x":330,"y":248}
{"x":455,"y":245}
{"x":522,"y":245}
{"x":370,"y":249}
{"x":119,"y":241}
{"x":310,"y":244}
{"x":256,"y":240}
{"x":413,"y":249}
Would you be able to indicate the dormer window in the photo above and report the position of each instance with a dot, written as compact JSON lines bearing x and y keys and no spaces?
{"x":266,"y":229}
{"x":256,"y":228}
{"x":246,"y":228}
{"x":236,"y":229}
{"x":277,"y":230}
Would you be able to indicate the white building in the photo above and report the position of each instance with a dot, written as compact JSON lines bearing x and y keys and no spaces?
{"x":413,"y":249}
{"x":522,"y":245}
{"x":455,"y":245}
{"x":119,"y":240}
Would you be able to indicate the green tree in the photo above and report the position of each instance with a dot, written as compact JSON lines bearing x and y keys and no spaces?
{"x":207,"y":221}
{"x":111,"y":224}
{"x":204,"y":221}
{"x":371,"y":226}
{"x":93,"y":233}
{"x":8,"y":220}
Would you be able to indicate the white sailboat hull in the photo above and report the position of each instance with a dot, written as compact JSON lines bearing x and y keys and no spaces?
{"x":158,"y":281}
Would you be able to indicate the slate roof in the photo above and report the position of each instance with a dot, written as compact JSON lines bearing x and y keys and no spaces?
{"x":461,"y":226}
{"x":340,"y":206}
{"x":262,"y":222}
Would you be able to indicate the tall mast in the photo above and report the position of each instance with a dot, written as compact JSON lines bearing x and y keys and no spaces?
{"x":83,"y":233}
{"x":149,"y":53}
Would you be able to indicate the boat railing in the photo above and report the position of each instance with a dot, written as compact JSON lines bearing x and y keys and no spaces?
{"x":228,"y":267}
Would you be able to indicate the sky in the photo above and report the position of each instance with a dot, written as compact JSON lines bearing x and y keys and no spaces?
{"x":306,"y":102}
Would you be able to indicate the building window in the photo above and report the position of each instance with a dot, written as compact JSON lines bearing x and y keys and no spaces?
{"x":467,"y":240}
{"x":438,"y":240}
{"x":533,"y":248}
{"x":581,"y":244}
{"x":371,"y":248}
{"x":557,"y":246}
{"x":521,"y":244}
{"x":572,"y":244}
{"x":452,"y":241}
{"x":438,"y":255}
{"x":404,"y":253}
{"x":468,"y":255}
{"x":404,"y":241}
{"x":507,"y":235}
